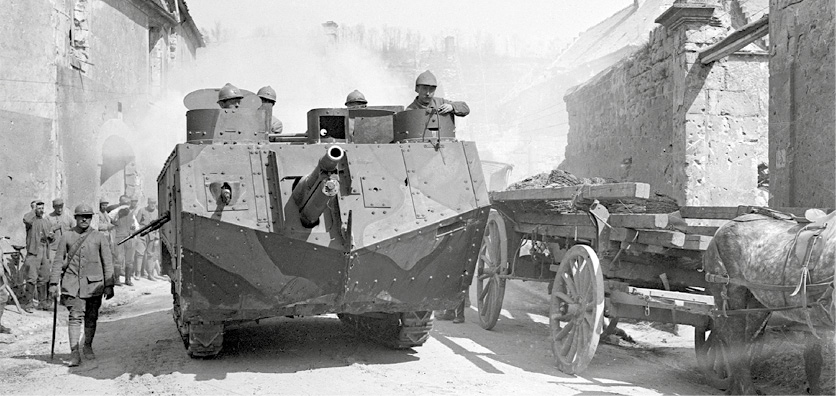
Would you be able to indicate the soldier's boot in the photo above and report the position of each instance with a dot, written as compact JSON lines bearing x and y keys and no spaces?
{"x":459,"y":313}
{"x":116,"y":273}
{"x":87,"y":348}
{"x":45,"y":302}
{"x":75,"y":332}
{"x":3,"y":329}
{"x":28,"y":296}
{"x":129,"y":270}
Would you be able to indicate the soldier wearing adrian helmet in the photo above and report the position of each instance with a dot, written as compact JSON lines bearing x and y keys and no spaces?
{"x":425,"y":86}
{"x":84,"y":267}
{"x":268,"y":98}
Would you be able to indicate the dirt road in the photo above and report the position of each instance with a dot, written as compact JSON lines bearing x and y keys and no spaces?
{"x":140,"y":352}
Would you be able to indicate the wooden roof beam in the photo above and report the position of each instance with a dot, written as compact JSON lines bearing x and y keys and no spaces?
{"x":736,"y":40}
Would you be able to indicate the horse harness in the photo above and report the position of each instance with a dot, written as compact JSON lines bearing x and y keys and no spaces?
{"x":802,"y":245}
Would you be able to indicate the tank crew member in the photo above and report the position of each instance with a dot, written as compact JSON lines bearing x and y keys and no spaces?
{"x":229,"y":97}
{"x":36,"y":266}
{"x":144,"y":262}
{"x":355,"y":100}
{"x":425,"y":86}
{"x":84,"y":268}
{"x":268,"y":97}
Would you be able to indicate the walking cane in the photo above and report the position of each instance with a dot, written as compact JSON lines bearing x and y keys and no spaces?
{"x":54,"y":321}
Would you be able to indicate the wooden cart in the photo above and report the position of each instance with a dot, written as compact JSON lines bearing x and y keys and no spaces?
{"x":645,"y":266}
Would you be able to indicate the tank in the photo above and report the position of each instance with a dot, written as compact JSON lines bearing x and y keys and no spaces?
{"x":373,"y":214}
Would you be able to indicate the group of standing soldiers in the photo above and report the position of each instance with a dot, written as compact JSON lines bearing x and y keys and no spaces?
{"x":78,"y":257}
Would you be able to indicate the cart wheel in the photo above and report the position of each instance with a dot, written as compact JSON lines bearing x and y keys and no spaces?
{"x":493,"y":262}
{"x":711,"y":357}
{"x":577,"y":309}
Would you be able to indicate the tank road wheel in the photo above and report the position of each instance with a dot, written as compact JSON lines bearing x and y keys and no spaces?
{"x":712,"y":358}
{"x":395,"y":330}
{"x":577,"y":309}
{"x":205,"y":339}
{"x":492,"y":262}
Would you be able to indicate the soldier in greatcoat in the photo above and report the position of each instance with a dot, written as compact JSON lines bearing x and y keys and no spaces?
{"x":83,"y":265}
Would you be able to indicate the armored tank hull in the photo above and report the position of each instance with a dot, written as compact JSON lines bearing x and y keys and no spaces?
{"x":380,"y":234}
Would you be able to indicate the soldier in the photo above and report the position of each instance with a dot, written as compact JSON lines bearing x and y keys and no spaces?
{"x":83,"y":267}
{"x":36,"y":266}
{"x":125,"y":222}
{"x":425,"y":86}
{"x":268,"y":97}
{"x":144,"y":261}
{"x":355,"y":100}
{"x":103,"y":220}
{"x":31,"y":213}
{"x":229,"y":97}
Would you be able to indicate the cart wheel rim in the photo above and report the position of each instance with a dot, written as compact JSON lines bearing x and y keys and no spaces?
{"x":492,"y":262}
{"x":577,"y":309}
{"x":712,"y":358}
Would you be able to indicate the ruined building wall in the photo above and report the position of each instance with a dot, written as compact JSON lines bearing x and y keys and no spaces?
{"x":111,"y":84}
{"x":693,"y":132}
{"x":802,"y":129}
{"x":620,"y":121}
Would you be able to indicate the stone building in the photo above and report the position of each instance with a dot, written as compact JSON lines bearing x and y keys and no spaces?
{"x":802,"y":103}
{"x":696,"y":132}
{"x":78,"y":77}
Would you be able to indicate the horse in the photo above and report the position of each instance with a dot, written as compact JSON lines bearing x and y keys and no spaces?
{"x":763,"y":264}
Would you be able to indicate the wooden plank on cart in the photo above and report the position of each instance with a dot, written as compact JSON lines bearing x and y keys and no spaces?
{"x":587,"y":233}
{"x":559,"y":219}
{"x":696,"y":242}
{"x":636,"y":248}
{"x":649,"y":237}
{"x":601,"y":191}
{"x":640,"y":221}
{"x":701,"y":230}
{"x":710,"y":212}
{"x":730,"y":212}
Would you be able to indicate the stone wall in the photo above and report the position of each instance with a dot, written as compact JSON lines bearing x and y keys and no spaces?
{"x":74,"y":70}
{"x":802,"y":129}
{"x":693,"y":132}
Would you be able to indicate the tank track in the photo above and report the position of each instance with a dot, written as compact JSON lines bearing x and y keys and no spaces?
{"x":401,"y":330}
{"x":195,"y":348}
{"x":182,"y":327}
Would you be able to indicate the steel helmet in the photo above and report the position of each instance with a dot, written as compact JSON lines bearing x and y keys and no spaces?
{"x":229,"y":91}
{"x":267,"y":93}
{"x":83,"y":209}
{"x":426,"y":78}
{"x":356,"y":97}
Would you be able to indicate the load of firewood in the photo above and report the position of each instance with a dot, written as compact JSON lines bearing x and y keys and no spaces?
{"x":658,"y":203}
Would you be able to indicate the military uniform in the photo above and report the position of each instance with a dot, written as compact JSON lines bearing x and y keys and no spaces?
{"x":85,"y":270}
{"x":460,"y":109}
{"x":37,"y":264}
{"x":144,"y":261}
{"x":125,"y":223}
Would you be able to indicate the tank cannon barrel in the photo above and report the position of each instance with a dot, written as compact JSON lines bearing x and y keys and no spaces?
{"x":315,"y":191}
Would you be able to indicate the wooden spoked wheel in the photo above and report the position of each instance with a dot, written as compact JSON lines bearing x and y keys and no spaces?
{"x":712,"y":358}
{"x":492,"y":262}
{"x":577,"y":309}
